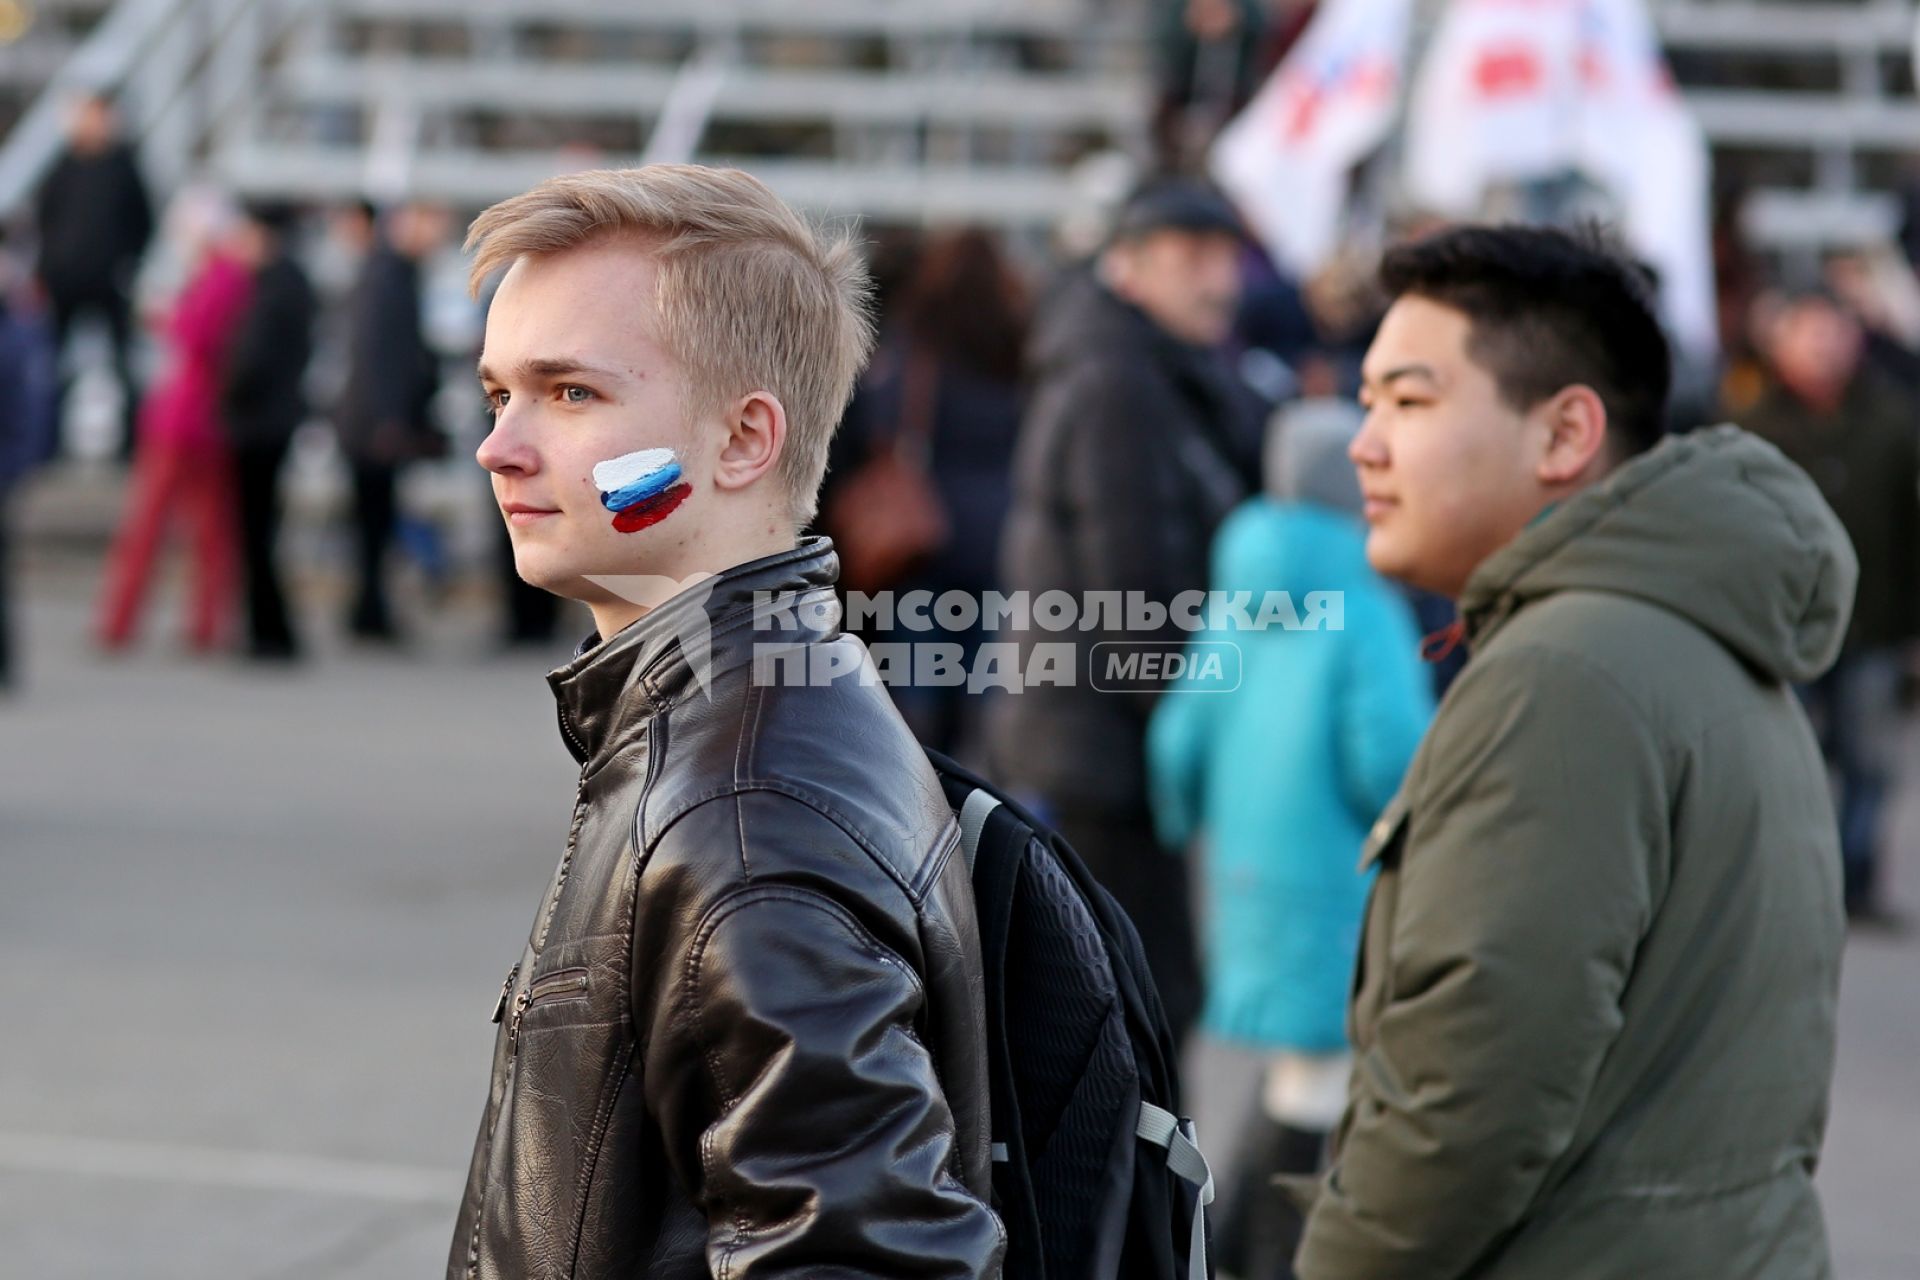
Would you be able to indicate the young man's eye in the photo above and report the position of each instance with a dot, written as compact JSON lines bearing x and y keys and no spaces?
{"x":576,"y":395}
{"x":496,"y":401}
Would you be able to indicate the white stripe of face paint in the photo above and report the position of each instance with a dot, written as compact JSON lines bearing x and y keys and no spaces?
{"x":628,"y":468}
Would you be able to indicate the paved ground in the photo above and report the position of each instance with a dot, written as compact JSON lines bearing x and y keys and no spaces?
{"x":252,"y":925}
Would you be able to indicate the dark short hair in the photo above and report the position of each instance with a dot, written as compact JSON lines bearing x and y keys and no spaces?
{"x":278,"y":216}
{"x":1549,"y":309}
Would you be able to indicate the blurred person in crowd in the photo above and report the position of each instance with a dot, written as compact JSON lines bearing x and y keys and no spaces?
{"x":1122,"y":473}
{"x":265,"y":402}
{"x":1278,"y":781}
{"x":1877,"y":285}
{"x":1853,"y":430}
{"x":1738,"y":273}
{"x":355,"y":225}
{"x":745,"y":1036}
{"x":334,"y":264}
{"x":182,"y":467}
{"x":943,"y":395}
{"x":1594,"y":1010}
{"x":1208,"y":55}
{"x":27,"y":421}
{"x":384,"y":417}
{"x":94,"y":220}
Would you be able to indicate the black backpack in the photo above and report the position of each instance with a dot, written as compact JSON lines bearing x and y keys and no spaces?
{"x":1095,"y":1173}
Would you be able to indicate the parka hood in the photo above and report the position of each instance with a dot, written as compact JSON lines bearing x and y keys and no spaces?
{"x":1716,"y":526}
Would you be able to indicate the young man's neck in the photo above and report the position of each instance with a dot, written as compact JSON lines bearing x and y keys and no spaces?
{"x":642,"y":593}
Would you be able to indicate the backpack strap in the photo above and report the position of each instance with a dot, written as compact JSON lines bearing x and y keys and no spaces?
{"x":1180,"y":1141}
{"x":979,"y":806}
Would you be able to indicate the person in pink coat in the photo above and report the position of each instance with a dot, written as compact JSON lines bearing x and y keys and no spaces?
{"x":181,"y":468}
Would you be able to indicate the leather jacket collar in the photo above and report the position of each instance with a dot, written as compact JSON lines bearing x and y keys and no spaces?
{"x":611,"y":689}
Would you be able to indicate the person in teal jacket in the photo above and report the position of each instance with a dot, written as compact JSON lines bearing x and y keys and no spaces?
{"x":1279,"y":781}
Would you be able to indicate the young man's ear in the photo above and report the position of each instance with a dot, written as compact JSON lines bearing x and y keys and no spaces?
{"x":1576,"y":421}
{"x":756,"y":436}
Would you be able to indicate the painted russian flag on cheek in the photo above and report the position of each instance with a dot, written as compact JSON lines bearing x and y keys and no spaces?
{"x":641,"y":489}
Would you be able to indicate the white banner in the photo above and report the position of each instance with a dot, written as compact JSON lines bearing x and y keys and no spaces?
{"x":1287,"y":158}
{"x":1514,"y":90}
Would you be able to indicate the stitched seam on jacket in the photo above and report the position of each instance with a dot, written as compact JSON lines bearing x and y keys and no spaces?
{"x":936,"y":865}
{"x":805,"y":798}
{"x":749,"y":729}
{"x":602,"y":1117}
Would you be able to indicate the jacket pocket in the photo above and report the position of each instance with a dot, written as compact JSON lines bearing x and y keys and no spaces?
{"x":561,"y":984}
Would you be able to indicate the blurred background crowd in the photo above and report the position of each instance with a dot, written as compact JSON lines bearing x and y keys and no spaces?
{"x":235,"y":332}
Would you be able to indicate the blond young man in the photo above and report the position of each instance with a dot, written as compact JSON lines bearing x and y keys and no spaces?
{"x":746,"y":1035}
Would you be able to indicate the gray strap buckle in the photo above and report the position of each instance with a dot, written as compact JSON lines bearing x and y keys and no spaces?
{"x":1182,"y":1144}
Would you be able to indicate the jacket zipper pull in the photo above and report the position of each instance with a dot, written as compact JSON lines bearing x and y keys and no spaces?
{"x":513,"y":1024}
{"x":506,"y":989}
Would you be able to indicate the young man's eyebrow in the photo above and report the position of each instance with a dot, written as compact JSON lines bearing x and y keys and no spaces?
{"x":548,"y":367}
{"x":1400,"y":371}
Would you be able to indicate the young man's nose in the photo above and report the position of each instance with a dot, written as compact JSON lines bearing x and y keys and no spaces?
{"x":1364,"y":450}
{"x":505,"y":451}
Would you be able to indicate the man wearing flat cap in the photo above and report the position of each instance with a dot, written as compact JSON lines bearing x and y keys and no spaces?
{"x":1126,"y":465}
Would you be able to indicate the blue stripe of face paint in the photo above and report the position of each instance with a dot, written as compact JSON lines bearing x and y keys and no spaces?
{"x":650,"y":485}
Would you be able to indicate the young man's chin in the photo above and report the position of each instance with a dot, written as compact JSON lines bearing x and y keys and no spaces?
{"x":1393,"y":562}
{"x":1385,"y":557}
{"x":567,"y":583}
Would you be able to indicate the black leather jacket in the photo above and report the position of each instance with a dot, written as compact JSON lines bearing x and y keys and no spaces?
{"x":746,"y":1037}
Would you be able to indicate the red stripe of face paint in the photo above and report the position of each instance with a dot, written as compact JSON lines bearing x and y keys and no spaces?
{"x":642,"y":515}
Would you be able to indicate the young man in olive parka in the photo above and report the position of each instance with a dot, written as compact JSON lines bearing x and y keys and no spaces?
{"x":1594,"y":1016}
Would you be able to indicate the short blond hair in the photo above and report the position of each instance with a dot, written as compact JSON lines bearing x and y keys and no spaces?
{"x":751,"y":296}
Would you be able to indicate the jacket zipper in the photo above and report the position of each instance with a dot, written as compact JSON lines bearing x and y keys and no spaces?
{"x":559,"y":981}
{"x":525,"y":998}
{"x":506,"y":993}
{"x":573,"y":739}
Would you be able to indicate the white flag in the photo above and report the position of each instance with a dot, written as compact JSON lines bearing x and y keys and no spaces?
{"x":1286,"y":159}
{"x":1512,"y":90}
{"x":1639,"y":140}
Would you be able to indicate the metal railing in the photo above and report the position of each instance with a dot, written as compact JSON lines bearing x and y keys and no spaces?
{"x":182,"y":70}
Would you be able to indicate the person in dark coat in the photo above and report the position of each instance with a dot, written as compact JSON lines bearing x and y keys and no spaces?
{"x":384,"y":417}
{"x":265,"y":401}
{"x":94,"y":220}
{"x":1851,"y":427}
{"x":1123,"y":472}
{"x":27,"y":393}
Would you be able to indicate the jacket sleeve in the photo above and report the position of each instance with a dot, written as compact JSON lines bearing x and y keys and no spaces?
{"x":1530,"y":870}
{"x":1114,"y":487}
{"x":797,"y":1100}
{"x":1177,"y":738}
{"x":1385,"y":700}
{"x":139,"y":206}
{"x":1125,"y":533}
{"x":387,"y":343}
{"x":49,"y":203}
{"x":206,"y":318}
{"x":1905,"y":505}
{"x":264,"y":342}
